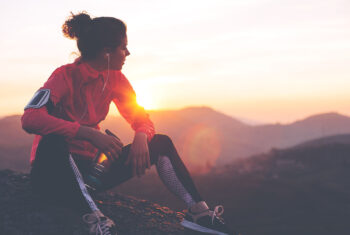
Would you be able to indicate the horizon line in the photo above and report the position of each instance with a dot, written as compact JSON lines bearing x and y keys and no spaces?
{"x":245,"y":120}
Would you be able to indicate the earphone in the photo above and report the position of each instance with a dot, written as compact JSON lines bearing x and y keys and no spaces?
{"x":103,"y":88}
{"x":108,"y":60}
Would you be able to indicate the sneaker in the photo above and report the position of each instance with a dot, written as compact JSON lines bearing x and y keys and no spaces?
{"x":199,"y":218}
{"x":98,"y":224}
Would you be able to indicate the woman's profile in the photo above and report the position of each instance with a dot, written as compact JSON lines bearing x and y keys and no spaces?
{"x":65,"y":113}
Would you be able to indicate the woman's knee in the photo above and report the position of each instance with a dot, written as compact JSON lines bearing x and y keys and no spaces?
{"x":53,"y":142}
{"x":162,"y":140}
{"x":161,"y":145}
{"x":51,"y":146}
{"x":52,"y":138}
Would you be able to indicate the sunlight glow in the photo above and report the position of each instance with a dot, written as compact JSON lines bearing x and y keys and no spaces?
{"x":266,"y":60}
{"x":145,"y":98}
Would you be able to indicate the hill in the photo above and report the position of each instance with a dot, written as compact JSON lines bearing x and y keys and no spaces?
{"x":204,"y":137}
{"x":316,"y":126}
{"x":201,"y":135}
{"x":207,"y":138}
{"x":14,"y":142}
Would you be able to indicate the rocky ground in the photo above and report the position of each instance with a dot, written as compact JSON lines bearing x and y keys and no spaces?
{"x":21,"y":212}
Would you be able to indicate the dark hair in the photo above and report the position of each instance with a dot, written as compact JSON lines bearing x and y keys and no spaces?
{"x":93,"y":35}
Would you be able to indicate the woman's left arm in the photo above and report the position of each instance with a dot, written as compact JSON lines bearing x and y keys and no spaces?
{"x":134,"y":114}
{"x":139,"y":154}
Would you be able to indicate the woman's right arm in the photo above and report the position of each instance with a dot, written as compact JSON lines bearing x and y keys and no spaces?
{"x":39,"y":121}
{"x":36,"y":118}
{"x":109,"y":145}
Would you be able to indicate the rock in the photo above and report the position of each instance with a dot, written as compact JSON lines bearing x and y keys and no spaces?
{"x":21,"y":213}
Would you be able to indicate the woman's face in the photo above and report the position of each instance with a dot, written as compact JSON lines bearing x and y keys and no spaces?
{"x":117,"y":56}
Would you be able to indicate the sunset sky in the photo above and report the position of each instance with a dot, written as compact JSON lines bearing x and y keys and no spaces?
{"x":262,"y":60}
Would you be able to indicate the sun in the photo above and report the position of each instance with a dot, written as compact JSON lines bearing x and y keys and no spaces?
{"x":145,"y":99}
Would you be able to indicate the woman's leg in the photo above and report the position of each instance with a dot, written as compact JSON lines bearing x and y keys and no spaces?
{"x":170,"y":168}
{"x":56,"y":178}
{"x":175,"y":176}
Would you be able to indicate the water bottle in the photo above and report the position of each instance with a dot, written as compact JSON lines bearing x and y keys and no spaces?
{"x":99,"y":166}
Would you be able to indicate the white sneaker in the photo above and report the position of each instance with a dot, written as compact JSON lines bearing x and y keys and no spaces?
{"x":99,"y":224}
{"x":199,"y":218}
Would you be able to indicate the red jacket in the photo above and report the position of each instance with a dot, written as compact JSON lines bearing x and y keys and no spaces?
{"x":78,"y":98}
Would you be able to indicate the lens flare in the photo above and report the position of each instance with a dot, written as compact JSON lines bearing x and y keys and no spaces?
{"x":202,"y":146}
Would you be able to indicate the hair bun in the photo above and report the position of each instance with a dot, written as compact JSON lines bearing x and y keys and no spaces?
{"x":77,"y":25}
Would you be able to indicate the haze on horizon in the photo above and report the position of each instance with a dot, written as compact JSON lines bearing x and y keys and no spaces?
{"x":264,"y":60}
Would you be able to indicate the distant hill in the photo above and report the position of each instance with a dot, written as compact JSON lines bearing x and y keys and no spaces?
{"x":329,"y":140}
{"x":15,"y":144}
{"x":204,"y":137}
{"x":201,"y":134}
{"x":304,"y":189}
{"x":297,"y":132}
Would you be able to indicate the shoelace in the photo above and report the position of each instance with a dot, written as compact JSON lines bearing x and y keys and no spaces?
{"x":99,"y":226}
{"x":105,"y":229}
{"x":218,"y":211}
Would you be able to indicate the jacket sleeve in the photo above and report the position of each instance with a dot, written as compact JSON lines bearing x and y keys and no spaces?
{"x":125,"y":100}
{"x":39,"y":121}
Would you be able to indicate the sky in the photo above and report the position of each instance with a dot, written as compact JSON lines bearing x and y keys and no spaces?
{"x":259,"y":60}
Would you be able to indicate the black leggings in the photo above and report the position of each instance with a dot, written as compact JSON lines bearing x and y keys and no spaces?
{"x":55,"y":181}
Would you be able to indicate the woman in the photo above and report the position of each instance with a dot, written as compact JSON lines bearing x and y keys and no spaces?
{"x":65,"y":112}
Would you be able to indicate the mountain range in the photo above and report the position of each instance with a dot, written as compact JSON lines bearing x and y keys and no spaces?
{"x":207,"y":138}
{"x":204,"y":137}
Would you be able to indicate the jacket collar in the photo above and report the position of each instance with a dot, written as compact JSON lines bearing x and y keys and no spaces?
{"x":88,"y":72}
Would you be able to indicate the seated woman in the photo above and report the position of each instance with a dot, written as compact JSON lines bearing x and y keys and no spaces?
{"x":65,"y":114}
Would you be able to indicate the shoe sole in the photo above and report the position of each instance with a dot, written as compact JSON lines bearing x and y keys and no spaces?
{"x":199,"y":228}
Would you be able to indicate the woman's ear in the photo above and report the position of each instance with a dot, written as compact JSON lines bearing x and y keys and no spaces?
{"x":106,"y":52}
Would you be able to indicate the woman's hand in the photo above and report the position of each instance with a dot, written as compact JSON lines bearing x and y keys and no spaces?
{"x":139,"y":155}
{"x":109,"y":145}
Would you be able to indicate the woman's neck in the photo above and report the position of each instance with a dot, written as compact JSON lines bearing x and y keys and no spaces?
{"x":98,"y":64}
